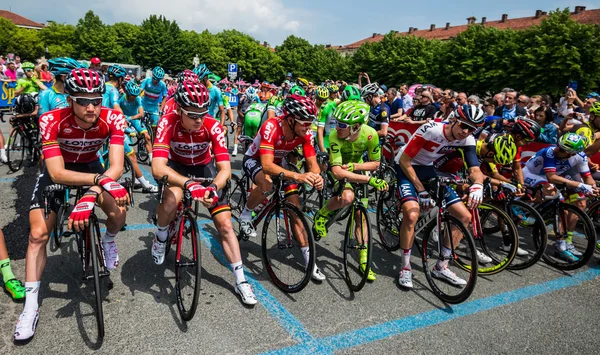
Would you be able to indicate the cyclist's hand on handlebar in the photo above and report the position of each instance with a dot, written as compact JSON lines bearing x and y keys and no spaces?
{"x":307,"y":178}
{"x":512,"y":188}
{"x":379,"y":184}
{"x":587,"y":189}
{"x":118,"y":192}
{"x":349,"y":167}
{"x":80,"y":216}
{"x":475,"y":196}
{"x":425,"y":200}
{"x":210,"y":197}
{"x":196,"y":189}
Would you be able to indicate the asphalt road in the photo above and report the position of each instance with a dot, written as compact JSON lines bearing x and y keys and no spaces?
{"x":538,"y":310}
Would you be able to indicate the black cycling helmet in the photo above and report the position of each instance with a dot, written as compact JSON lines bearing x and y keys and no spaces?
{"x":527,"y":128}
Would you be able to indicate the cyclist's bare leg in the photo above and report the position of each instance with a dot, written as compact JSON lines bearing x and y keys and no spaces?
{"x":301,"y":234}
{"x":410,"y":215}
{"x":40,"y":228}
{"x":264,"y":184}
{"x":227,"y":236}
{"x":167,"y":210}
{"x":115,"y":215}
{"x":136,"y":168}
{"x":148,"y":142}
{"x":460,"y":211}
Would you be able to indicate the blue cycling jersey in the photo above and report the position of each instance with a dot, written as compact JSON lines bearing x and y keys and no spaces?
{"x":51,"y":99}
{"x":545,"y":161}
{"x":130,"y":108}
{"x":110,"y":96}
{"x":216,"y":100}
{"x":379,"y":115}
{"x":153,"y":94}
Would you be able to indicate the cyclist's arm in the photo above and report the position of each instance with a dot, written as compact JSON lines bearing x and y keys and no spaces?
{"x":116,"y":156}
{"x":410,"y":172}
{"x":340,"y":173}
{"x":475,"y":175}
{"x":139,"y":115}
{"x":270,"y":168}
{"x":270,"y":114}
{"x":592,"y":148}
{"x":518,"y":172}
{"x":60,"y":175}
{"x":384,"y":130}
{"x":496,"y":178}
{"x":554,"y":178}
{"x":223,"y":174}
{"x":160,"y":169}
{"x":117,"y":107}
{"x":312,"y":165}
{"x":321,"y":138}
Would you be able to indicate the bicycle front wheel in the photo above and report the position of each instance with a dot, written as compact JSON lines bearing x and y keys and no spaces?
{"x":500,"y":246}
{"x":285,"y":232}
{"x":94,"y":249}
{"x":357,"y":248}
{"x":531,"y":231}
{"x":389,"y":212}
{"x":188,"y":266}
{"x":236,"y":193}
{"x":455,"y":281}
{"x":17,"y":144}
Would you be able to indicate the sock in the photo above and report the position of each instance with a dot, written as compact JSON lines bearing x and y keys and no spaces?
{"x":306,"y":254}
{"x":246,"y":213}
{"x":446,"y":252}
{"x":162,"y":233}
{"x":406,"y":259}
{"x":108,"y":238}
{"x":7,"y":273}
{"x":2,"y":151}
{"x":31,"y":295}
{"x":325,"y":211}
{"x":235,"y":147}
{"x":150,"y":156}
{"x":561,"y":245}
{"x":144,"y":182}
{"x":137,"y":181}
{"x":569,"y":238}
{"x":238,"y":272}
{"x":363,"y":253}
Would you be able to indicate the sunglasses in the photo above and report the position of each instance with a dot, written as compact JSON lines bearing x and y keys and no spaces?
{"x":463,"y":125}
{"x":85,"y":101}
{"x":342,"y":125}
{"x":194,"y":115}
{"x":28,"y":70}
{"x":304,"y":124}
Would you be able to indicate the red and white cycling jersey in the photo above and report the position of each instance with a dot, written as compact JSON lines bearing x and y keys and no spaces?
{"x":62,"y":136}
{"x":170,"y":106}
{"x":175,"y":142}
{"x":429,"y":143}
{"x":270,"y":141}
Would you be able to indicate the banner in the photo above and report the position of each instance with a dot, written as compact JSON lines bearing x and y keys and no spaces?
{"x":401,"y":132}
{"x":233,"y":99}
{"x":7,"y":94}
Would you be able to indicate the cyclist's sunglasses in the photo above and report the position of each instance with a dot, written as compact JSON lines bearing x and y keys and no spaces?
{"x":194,"y":115}
{"x":304,"y":124}
{"x":85,"y":101}
{"x":342,"y":125}
{"x":28,"y":70}
{"x":463,"y":125}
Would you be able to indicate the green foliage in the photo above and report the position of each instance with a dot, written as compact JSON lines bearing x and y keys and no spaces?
{"x":8,"y":30}
{"x":95,"y":39}
{"x":127,"y":35}
{"x":158,"y":43}
{"x":59,"y":39}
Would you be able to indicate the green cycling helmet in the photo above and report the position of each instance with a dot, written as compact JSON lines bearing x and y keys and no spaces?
{"x":595,"y":109}
{"x":297,"y":90}
{"x":350,"y":93}
{"x":352,"y":112}
{"x":505,"y":149}
{"x":322,"y":93}
{"x":27,"y":65}
{"x":572,"y":143}
{"x":333,"y":88}
{"x":213,"y":78}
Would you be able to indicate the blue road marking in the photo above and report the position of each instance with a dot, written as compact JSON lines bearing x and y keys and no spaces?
{"x":146,"y":174}
{"x":8,"y":179}
{"x":292,"y":325}
{"x":142,"y":226}
{"x":426,"y":319}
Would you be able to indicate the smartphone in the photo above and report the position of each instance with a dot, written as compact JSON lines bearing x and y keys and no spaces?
{"x":573,"y":84}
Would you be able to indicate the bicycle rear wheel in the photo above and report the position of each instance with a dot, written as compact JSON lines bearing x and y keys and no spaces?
{"x":389,"y":212}
{"x":284,"y":226}
{"x":583,"y":237}
{"x":462,"y":261}
{"x":188,"y":267}
{"x":492,"y":244}
{"x":593,"y":212}
{"x":93,"y":248}
{"x":62,"y":217}
{"x":532,"y":233}
{"x":142,"y":153}
{"x":17,"y":145}
{"x":236,"y":192}
{"x":357,"y":250}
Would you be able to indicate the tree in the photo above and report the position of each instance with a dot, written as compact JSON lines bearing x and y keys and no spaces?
{"x":27,"y":44}
{"x":59,"y":39}
{"x":158,"y":43}
{"x":94,"y":39}
{"x":296,"y":53}
{"x":8,"y":30}
{"x":127,"y":35}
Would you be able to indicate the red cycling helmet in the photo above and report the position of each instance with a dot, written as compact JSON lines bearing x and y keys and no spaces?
{"x":192,"y":94}
{"x":301,"y":108}
{"x":84,"y":81}
{"x":187,"y":75}
{"x":95,"y":60}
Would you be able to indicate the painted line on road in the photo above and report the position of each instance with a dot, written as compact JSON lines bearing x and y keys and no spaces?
{"x":292,"y":325}
{"x":142,"y":226}
{"x":427,"y":319}
{"x":8,"y":179}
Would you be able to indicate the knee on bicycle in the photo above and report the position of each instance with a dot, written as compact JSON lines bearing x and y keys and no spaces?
{"x":39,"y":235}
{"x":264,"y":185}
{"x":116,"y":216}
{"x":347,"y":198}
{"x":410,"y":214}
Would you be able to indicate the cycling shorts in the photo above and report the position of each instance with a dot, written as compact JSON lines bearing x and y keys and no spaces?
{"x":424,"y":173}
{"x":127,"y":146}
{"x":44,"y":180}
{"x":253,"y":166}
{"x":137,"y":124}
{"x":154,"y":115}
{"x":203,"y":171}
{"x":251,"y":123}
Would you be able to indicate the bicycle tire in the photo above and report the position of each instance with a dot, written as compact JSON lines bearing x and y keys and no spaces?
{"x":388,"y":223}
{"x":593,"y":211}
{"x":589,"y":244}
{"x":535,"y":242}
{"x":490,"y":245}
{"x":469,"y":264}
{"x":352,"y":246}
{"x":128,"y":177}
{"x":195,"y":265}
{"x":94,"y":245}
{"x":142,"y":153}
{"x":236,"y":193}
{"x":16,"y":149}
{"x":271,"y":262}
{"x":57,"y":231}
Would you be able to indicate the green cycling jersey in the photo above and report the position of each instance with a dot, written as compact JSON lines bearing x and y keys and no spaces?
{"x":343,"y":151}
{"x":327,"y":120}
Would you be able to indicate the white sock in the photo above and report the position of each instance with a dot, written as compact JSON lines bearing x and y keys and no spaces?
{"x":406,"y":259}
{"x":235,"y":147}
{"x":32,"y":290}
{"x":144,"y":182}
{"x":150,"y":156}
{"x":238,"y":272}
{"x":446,"y":252}
{"x":162,"y":233}
{"x":306,"y":254}
{"x":561,"y":245}
{"x":246,"y":213}
{"x":108,"y":237}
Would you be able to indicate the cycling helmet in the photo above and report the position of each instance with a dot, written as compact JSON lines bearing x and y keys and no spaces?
{"x":303,"y":82}
{"x":84,"y":81}
{"x":527,"y":127}
{"x":27,"y":65}
{"x":595,"y":109}
{"x":572,"y":143}
{"x":593,"y":95}
{"x":297,"y":90}
{"x":504,"y":148}
{"x":301,"y":108}
{"x":352,"y":112}
{"x":250,"y":91}
{"x":25,"y":104}
{"x":470,"y":114}
{"x":333,"y":88}
{"x":116,"y":71}
{"x":59,"y":66}
{"x":187,"y":75}
{"x":192,"y":94}
{"x":369,"y":89}
{"x":251,"y":97}
{"x":213,"y":78}
{"x":202,"y":71}
{"x":95,"y":60}
{"x":322,"y":93}
{"x":158,"y":73}
{"x":350,"y":93}
{"x":132,"y":89}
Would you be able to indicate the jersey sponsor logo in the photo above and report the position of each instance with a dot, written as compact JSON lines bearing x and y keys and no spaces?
{"x":67,"y":130}
{"x":334,"y":148}
{"x":447,"y":149}
{"x":370,"y":137}
{"x":431,"y":146}
{"x":269,"y":127}
{"x":81,"y":142}
{"x":194,"y":147}
{"x":383,"y":113}
{"x":216,"y":130}
{"x":47,"y":122}
{"x":117,"y":119}
{"x":537,"y":163}
{"x":161,"y":130}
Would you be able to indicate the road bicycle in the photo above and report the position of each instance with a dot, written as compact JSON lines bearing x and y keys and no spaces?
{"x":24,"y":139}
